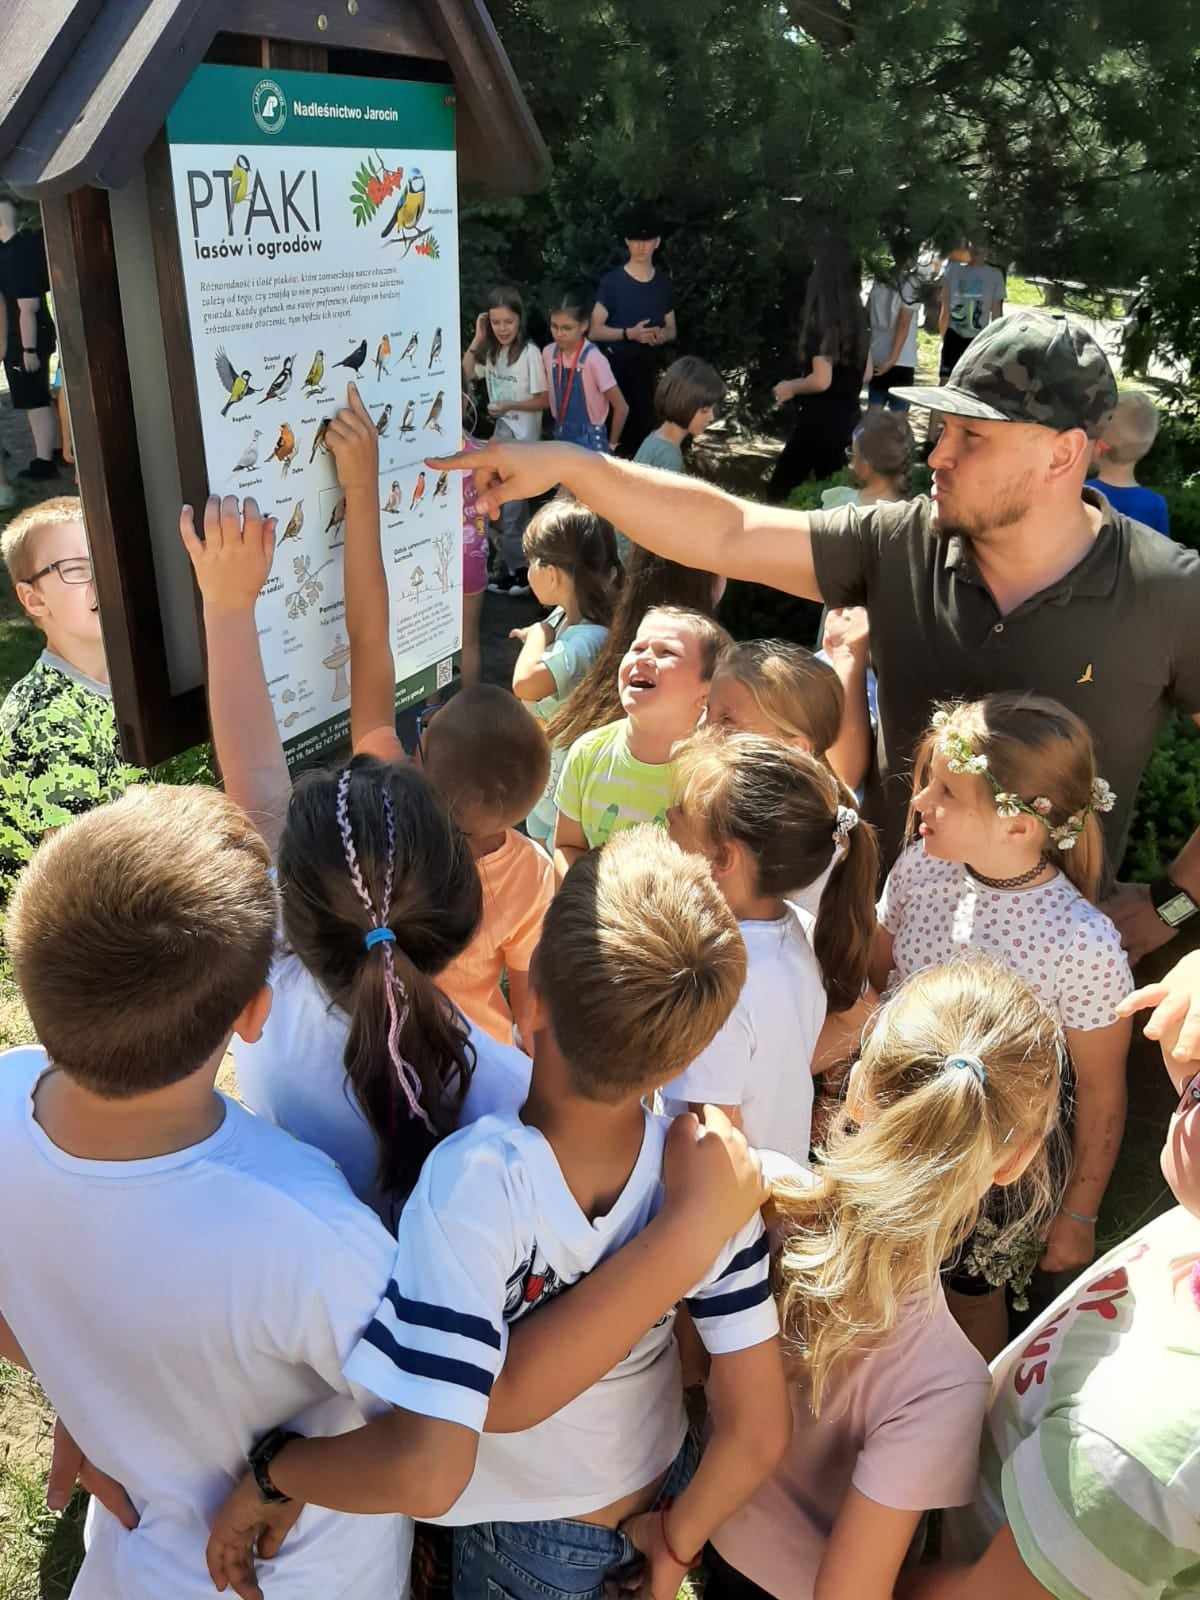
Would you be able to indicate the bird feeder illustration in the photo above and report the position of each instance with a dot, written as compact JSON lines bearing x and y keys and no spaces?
{"x":338,"y":662}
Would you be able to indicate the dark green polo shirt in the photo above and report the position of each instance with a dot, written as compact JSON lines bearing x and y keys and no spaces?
{"x":1117,"y":639}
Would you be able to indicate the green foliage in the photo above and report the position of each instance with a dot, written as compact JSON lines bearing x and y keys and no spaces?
{"x":759,"y":128}
{"x":1168,"y":802}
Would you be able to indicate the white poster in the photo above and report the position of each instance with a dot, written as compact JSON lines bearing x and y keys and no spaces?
{"x":319,"y":240}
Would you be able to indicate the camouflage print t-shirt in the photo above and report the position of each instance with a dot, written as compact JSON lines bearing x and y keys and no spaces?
{"x":59,"y":757}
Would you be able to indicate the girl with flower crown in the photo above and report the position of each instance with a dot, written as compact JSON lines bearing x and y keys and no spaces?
{"x":1007,"y":857}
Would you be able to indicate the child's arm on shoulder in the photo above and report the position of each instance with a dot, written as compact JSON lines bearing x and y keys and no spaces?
{"x":751,"y":1419}
{"x":713,"y":1186}
{"x":617,"y":415}
{"x":353,"y":439}
{"x":232,"y":562}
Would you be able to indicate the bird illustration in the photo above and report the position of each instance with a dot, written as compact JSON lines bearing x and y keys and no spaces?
{"x":280,"y":383}
{"x":337,"y":515}
{"x":239,"y":186}
{"x":410,"y":208}
{"x":356,"y":357}
{"x":315,"y":373}
{"x":285,"y":447}
{"x":410,"y":347}
{"x":392,"y":503}
{"x":435,"y":348}
{"x":441,"y":487}
{"x":295,"y":523}
{"x":406,"y":422}
{"x":1086,"y":675}
{"x":435,"y":411}
{"x":236,"y":384}
{"x":319,"y":439}
{"x":418,"y":491}
{"x":385,"y":416}
{"x":381,"y":355}
{"x":249,"y":456}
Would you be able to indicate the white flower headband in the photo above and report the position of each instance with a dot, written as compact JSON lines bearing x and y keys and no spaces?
{"x":961,"y":756}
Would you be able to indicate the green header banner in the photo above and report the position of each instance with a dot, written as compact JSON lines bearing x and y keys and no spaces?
{"x":244,"y":106}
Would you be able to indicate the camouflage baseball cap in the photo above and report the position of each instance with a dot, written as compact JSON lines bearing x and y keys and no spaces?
{"x":1028,"y":367}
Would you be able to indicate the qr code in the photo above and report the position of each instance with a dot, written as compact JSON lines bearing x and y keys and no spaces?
{"x":445,"y":671}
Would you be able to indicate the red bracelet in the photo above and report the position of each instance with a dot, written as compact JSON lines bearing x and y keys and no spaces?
{"x":666,"y":1539}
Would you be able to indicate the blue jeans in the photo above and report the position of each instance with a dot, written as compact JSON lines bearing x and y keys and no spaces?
{"x":556,"y":1560}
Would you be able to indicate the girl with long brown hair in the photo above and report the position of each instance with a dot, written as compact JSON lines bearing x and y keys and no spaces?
{"x":1008,"y":857}
{"x":771,"y":820}
{"x":575,"y":573}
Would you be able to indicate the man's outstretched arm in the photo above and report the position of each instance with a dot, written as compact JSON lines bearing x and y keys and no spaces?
{"x":674,"y":516}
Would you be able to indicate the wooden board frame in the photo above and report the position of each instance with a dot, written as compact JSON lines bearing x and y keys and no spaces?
{"x":154,"y":723}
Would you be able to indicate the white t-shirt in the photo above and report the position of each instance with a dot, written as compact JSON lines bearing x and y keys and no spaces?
{"x":295,"y":1076}
{"x":490,"y":1232}
{"x":761,"y":1060}
{"x":523,"y":378}
{"x":1091,"y":1451}
{"x":176,"y":1309}
{"x":884,"y":305}
{"x":1066,"y":950}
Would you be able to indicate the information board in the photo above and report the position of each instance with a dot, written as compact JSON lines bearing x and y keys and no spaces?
{"x":318,"y":230}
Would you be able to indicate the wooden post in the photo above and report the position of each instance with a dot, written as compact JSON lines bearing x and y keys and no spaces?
{"x":83,"y":273}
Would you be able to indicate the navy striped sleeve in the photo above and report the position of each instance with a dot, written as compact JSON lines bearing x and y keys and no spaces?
{"x":734,"y":1308}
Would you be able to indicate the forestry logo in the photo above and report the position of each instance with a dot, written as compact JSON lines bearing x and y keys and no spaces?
{"x":268,"y":105}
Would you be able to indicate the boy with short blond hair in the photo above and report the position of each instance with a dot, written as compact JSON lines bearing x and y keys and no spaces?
{"x":640,"y":963}
{"x":1126,"y":437}
{"x":59,"y":750}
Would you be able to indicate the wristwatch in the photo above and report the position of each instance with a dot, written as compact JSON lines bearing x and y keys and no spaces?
{"x":1173,"y":904}
{"x":260,"y":1459}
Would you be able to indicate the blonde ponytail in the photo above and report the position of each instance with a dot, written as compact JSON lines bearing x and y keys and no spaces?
{"x":959,"y":1067}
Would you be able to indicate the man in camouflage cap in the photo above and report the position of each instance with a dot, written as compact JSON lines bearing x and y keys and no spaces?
{"x":1010,"y":576}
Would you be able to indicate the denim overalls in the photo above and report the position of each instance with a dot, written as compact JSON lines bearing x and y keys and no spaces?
{"x":570,"y":403}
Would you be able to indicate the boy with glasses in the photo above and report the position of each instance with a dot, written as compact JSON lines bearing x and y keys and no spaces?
{"x":59,"y":751}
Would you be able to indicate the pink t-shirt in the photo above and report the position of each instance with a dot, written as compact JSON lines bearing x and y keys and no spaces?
{"x":902,"y":1426}
{"x":518,"y":885}
{"x":594,"y":374}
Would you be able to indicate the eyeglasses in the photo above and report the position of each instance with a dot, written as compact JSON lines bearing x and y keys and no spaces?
{"x":75,"y":570}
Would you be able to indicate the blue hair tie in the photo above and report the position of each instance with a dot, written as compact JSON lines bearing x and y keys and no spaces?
{"x":378,"y":936}
{"x":968,"y":1064}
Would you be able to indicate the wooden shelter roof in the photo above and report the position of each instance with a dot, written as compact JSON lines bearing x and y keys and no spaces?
{"x":85,"y":85}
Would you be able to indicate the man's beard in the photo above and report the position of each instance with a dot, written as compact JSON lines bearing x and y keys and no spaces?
{"x":1002,"y":512}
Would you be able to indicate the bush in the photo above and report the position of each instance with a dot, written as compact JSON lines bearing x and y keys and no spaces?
{"x":1168,"y":802}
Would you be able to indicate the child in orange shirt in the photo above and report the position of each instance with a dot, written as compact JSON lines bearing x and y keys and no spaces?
{"x":489,"y":761}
